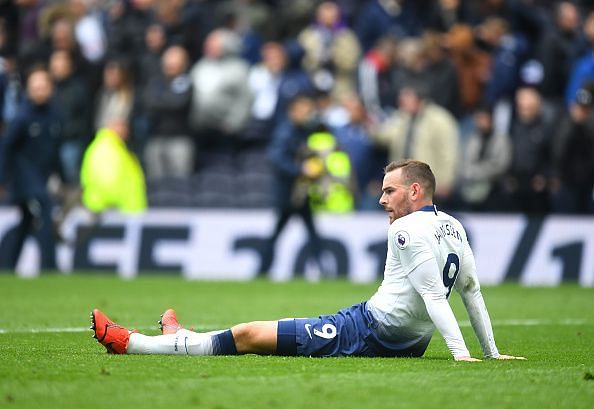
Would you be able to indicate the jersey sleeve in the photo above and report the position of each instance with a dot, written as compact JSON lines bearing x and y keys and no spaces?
{"x":410,"y":249}
{"x":469,"y":289}
{"x":426,"y":280}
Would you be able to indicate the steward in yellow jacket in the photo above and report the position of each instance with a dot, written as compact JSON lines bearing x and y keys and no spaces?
{"x":332,"y":190}
{"x":111,"y":176}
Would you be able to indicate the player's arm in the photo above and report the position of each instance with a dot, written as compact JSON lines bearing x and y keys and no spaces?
{"x":426,"y":280}
{"x":469,"y":289}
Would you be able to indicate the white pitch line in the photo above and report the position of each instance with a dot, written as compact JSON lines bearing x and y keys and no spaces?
{"x":498,"y":323}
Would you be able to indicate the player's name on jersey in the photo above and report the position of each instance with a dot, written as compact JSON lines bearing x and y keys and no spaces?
{"x":447,"y":230}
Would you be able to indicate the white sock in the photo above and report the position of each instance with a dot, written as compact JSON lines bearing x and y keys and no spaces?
{"x":191,"y":333}
{"x":183,"y":342}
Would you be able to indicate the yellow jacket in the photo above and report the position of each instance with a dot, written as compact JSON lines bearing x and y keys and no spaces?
{"x":111,"y":176}
{"x":331,"y":192}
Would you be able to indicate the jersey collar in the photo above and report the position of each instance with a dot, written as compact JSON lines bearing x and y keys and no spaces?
{"x":429,"y":208}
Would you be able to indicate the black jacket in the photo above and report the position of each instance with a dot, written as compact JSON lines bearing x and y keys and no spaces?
{"x":168,"y":104}
{"x":29,"y":150}
{"x":72,"y":100}
{"x":285,"y":155}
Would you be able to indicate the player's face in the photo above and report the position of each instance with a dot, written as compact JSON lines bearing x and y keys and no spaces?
{"x":396,"y":196}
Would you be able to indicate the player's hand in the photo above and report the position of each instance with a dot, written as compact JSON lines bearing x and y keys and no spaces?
{"x":510,"y":357}
{"x":467,"y":359}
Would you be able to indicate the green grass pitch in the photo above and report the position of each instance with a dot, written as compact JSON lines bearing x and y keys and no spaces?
{"x":47,"y":360}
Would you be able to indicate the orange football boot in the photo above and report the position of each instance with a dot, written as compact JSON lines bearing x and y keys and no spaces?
{"x":168,"y":322}
{"x":109,"y":334}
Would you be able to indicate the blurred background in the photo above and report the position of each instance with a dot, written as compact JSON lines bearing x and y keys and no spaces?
{"x":182,"y":136}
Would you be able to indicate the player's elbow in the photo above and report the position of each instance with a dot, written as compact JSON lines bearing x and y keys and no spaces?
{"x":469,"y":286}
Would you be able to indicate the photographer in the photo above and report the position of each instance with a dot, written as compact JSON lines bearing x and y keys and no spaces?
{"x":293,"y":174}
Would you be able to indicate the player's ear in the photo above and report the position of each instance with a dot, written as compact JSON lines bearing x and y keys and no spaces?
{"x":415,"y":190}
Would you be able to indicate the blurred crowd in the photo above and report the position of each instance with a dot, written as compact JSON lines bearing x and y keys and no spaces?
{"x":295,"y":99}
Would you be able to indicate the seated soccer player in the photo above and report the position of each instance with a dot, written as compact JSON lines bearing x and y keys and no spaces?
{"x":428,"y":255}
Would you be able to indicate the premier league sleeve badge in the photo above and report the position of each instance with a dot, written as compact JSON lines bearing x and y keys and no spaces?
{"x":402,"y":239}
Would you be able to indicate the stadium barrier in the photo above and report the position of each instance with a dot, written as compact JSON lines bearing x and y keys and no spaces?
{"x":228,"y":245}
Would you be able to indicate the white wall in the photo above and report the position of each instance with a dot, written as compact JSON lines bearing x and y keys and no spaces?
{"x":203,"y":244}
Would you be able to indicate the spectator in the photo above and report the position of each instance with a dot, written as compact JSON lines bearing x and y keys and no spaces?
{"x":331,"y":113}
{"x":89,"y":30}
{"x":366,"y":158}
{"x":557,"y":50}
{"x":186,"y":23}
{"x":273,"y":83}
{"x":294,"y":81}
{"x":28,"y":156}
{"x":9,"y":28}
{"x":486,"y":158}
{"x":72,"y":101}
{"x":441,"y":74}
{"x":583,"y":71}
{"x":290,"y":17}
{"x":221,"y":98}
{"x":491,"y":60}
{"x":10,"y":90}
{"x":111,"y":176}
{"x":413,"y":60}
{"x":379,"y":81}
{"x":149,"y":67}
{"x":127,"y":23}
{"x":29,"y":16}
{"x":116,"y":96}
{"x":443,"y":15}
{"x":242,"y":25}
{"x":71,"y":26}
{"x":573,"y":190}
{"x":170,"y":149}
{"x":472,"y":65}
{"x":416,"y":130}
{"x":331,"y":50}
{"x":155,"y":42}
{"x":525,"y":186}
{"x":60,"y":37}
{"x":293,"y":175}
{"x":264,"y":83}
{"x":508,"y":50}
{"x":379,"y":18}
{"x":252,"y":16}
{"x":521,"y":17}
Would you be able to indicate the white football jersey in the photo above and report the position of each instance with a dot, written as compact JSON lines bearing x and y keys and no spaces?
{"x":428,"y":253}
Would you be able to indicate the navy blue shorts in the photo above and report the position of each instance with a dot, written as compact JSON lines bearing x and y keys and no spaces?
{"x":349,"y":332}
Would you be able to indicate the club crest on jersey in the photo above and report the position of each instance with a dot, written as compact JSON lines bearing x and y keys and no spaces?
{"x":402,"y":239}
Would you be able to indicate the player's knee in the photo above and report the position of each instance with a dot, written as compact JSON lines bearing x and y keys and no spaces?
{"x":243,"y":335}
{"x":250,"y":337}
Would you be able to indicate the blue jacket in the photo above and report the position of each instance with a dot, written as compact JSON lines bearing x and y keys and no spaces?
{"x":294,"y":80}
{"x":29,"y":150}
{"x":582,"y":72}
{"x":284,"y":155}
{"x":374,"y":22}
{"x":505,"y":68}
{"x":356,"y":142}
